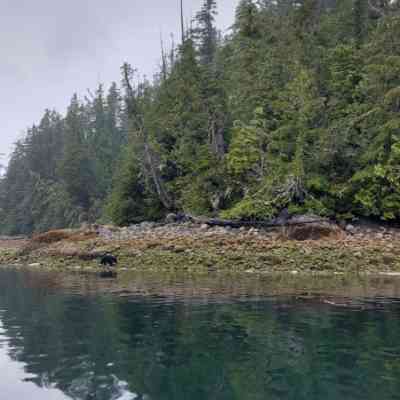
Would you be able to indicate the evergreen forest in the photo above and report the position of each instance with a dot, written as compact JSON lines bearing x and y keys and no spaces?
{"x":295,"y":108}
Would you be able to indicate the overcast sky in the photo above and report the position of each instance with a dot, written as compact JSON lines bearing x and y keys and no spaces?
{"x":53,"y":48}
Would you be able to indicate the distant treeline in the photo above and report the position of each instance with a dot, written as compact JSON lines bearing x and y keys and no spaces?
{"x":296,"y":109}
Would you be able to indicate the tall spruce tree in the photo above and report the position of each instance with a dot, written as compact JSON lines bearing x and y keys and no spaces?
{"x":206,"y":32}
{"x":76,"y":170}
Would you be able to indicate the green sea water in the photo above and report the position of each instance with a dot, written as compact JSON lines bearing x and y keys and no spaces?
{"x":90,"y":339}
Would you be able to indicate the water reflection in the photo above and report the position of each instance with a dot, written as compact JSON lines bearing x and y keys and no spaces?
{"x":88,"y":339}
{"x":15,"y":381}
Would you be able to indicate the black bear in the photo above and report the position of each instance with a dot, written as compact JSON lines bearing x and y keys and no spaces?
{"x":108,"y":259}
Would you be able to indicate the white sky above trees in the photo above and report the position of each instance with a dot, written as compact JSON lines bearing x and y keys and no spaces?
{"x":53,"y":48}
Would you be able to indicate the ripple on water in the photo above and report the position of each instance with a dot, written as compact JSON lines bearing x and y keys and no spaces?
{"x":138,"y":337}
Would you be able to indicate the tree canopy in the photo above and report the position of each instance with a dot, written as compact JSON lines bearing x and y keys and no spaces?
{"x":296,"y":109}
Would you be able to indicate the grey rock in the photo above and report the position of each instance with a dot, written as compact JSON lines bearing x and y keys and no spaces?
{"x":170,"y":218}
{"x":306,"y":218}
{"x":350,"y":229}
{"x":147,"y":225}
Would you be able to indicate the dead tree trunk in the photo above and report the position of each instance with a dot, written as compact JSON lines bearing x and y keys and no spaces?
{"x":182,"y":24}
{"x":158,"y":183}
{"x":137,"y":115}
{"x":255,"y":224}
{"x":216,"y":136}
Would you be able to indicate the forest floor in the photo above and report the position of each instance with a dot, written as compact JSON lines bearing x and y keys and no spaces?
{"x":195,"y":248}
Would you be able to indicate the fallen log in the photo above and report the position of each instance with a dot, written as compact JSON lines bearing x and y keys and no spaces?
{"x":294,"y":228}
{"x":274,"y":223}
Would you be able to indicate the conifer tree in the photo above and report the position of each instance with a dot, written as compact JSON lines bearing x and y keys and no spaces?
{"x":75,"y":167}
{"x":206,"y":31}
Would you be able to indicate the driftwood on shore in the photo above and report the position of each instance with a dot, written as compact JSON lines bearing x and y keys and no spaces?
{"x":273,"y":223}
{"x":302,"y":227}
{"x":13,"y":237}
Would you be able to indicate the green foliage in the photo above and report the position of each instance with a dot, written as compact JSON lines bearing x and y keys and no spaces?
{"x":52,"y":207}
{"x":130,"y":201}
{"x":251,"y":208}
{"x":377,"y":188}
{"x":248,"y":146}
{"x":345,"y":73}
{"x":60,"y":173}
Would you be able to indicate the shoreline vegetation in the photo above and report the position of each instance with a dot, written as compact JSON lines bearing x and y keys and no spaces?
{"x":319,"y":247}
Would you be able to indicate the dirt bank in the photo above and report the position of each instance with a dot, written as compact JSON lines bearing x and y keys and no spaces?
{"x":196,"y":248}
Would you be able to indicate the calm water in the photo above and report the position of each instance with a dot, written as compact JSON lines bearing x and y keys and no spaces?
{"x":82,"y":338}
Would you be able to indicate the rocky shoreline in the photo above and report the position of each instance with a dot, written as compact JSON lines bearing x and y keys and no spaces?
{"x":199,"y":248}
